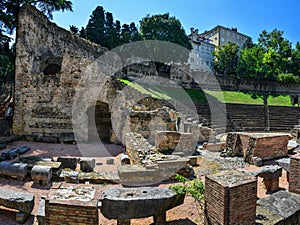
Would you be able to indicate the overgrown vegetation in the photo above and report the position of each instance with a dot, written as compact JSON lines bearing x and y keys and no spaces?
{"x":272,"y":58}
{"x":194,"y":188}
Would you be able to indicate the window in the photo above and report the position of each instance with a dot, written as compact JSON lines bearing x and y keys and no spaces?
{"x":222,"y":39}
{"x":197,"y":55}
{"x":192,"y":60}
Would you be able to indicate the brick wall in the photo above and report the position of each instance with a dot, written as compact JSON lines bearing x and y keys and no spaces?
{"x":230,"y":198}
{"x":294,"y":182}
{"x":58,"y":214}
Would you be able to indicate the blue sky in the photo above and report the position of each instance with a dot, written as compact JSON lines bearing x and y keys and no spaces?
{"x":250,"y":17}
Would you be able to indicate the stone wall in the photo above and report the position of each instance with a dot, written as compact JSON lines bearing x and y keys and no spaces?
{"x":50,"y":62}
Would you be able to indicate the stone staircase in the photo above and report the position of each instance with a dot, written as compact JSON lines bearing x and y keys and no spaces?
{"x":241,"y":117}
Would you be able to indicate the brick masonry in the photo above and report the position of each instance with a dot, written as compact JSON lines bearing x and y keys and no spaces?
{"x":230,"y":198}
{"x":294,"y":176}
{"x":71,"y":212}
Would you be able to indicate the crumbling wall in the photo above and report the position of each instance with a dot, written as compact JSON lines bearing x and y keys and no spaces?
{"x":49,"y":65}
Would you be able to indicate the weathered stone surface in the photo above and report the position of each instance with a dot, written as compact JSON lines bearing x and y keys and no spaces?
{"x":17,"y":200}
{"x":172,"y":140}
{"x":285,"y":205}
{"x":125,"y":160}
{"x":46,"y":108}
{"x":41,"y":174}
{"x":87,"y":164}
{"x":262,"y":145}
{"x":68,"y":162}
{"x":70,"y":176}
{"x":129,"y":203}
{"x":18,"y":170}
{"x":284,"y":163}
{"x":270,"y":172}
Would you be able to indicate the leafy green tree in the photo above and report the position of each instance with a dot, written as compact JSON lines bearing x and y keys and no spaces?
{"x":9,"y":10}
{"x":295,"y":60}
{"x":278,"y":51}
{"x":250,"y":63}
{"x":164,"y":27}
{"x":226,"y":59}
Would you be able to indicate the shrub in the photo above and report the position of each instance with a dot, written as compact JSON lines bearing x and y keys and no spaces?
{"x":288,"y":78}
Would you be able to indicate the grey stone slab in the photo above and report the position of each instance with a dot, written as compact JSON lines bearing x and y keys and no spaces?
{"x":284,"y":163}
{"x":23,"y":202}
{"x":282,"y":203}
{"x":129,"y":203}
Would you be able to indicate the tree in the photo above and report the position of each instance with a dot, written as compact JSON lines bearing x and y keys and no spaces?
{"x":95,"y":27}
{"x":250,"y":63}
{"x":82,"y":33}
{"x":163,"y":27}
{"x":295,"y":60}
{"x":226,"y":59}
{"x":9,"y":11}
{"x":74,"y":29}
{"x":277,"y":51}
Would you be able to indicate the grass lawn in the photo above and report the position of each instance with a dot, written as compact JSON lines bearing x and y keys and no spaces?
{"x":249,"y":98}
{"x":232,"y":97}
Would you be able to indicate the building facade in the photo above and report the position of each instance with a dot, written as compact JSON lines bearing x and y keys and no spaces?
{"x":201,"y":58}
{"x":220,"y":36}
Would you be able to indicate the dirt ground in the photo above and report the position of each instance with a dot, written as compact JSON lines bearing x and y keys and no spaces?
{"x":188,"y":213}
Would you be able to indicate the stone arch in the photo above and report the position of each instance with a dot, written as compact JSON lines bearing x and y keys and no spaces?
{"x":102,"y":119}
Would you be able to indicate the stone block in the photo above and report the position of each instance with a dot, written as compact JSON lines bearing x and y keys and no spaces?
{"x":23,"y":202}
{"x":134,"y":175}
{"x":262,"y":145}
{"x":17,"y":170}
{"x":193,"y":160}
{"x":281,"y":207}
{"x":215,"y":147}
{"x":125,"y":160}
{"x":70,"y":176}
{"x":172,"y":140}
{"x":68,"y":162}
{"x":224,"y":192}
{"x":87,"y":164}
{"x":41,"y":174}
{"x":284,"y":163}
{"x":130,"y":203}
